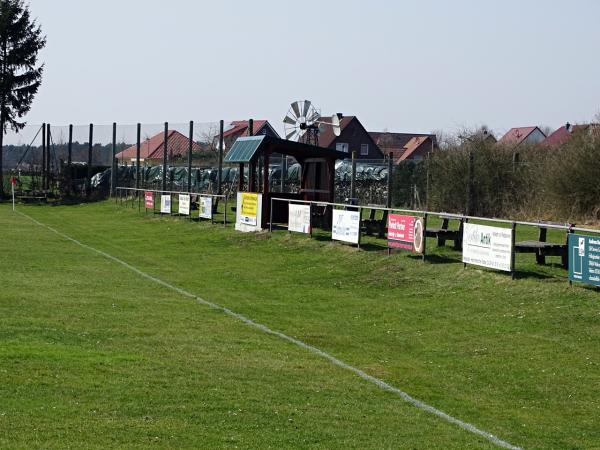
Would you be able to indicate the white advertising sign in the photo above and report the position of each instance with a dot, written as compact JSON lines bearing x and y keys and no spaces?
{"x":299,"y":218}
{"x":184,"y":204}
{"x":487,"y":246}
{"x":165,"y":204}
{"x":346,"y":226}
{"x":205,"y":208}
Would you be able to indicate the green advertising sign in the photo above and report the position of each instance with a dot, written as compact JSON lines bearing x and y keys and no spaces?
{"x":584,"y":259}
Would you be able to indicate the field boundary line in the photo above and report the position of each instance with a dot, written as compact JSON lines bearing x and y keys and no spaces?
{"x":335,"y":361}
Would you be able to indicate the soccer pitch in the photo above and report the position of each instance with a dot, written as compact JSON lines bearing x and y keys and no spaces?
{"x":128,"y":331}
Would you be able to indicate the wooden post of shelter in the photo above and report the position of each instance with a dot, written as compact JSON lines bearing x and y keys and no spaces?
{"x":164,"y":165}
{"x":88,"y":179}
{"x":252,"y":171}
{"x":189,"y":160}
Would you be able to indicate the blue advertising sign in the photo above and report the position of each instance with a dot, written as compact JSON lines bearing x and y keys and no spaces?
{"x":584,"y":259}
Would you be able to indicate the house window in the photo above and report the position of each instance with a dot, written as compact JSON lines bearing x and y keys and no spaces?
{"x":342,"y":147}
{"x":364,"y":149}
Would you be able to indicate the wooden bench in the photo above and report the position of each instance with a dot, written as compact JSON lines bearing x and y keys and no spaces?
{"x":542,"y":248}
{"x":373,"y":225}
{"x":444,"y":233}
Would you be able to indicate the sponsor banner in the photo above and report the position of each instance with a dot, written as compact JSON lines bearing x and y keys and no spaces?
{"x":401,"y":232}
{"x":249,"y":209}
{"x":165,"y":204}
{"x":584,"y":259}
{"x":346,"y":226}
{"x":184,"y":204}
{"x":487,"y":246}
{"x":205,"y":208}
{"x":299,"y":218}
{"x":148,"y":200}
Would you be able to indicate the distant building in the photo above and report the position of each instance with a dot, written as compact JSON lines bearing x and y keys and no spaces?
{"x":403,"y":146}
{"x":522,"y":136}
{"x":152,"y":150}
{"x":239,"y":128}
{"x":563,"y":134}
{"x":353,"y":138}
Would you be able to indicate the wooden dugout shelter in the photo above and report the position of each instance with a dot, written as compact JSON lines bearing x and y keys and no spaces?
{"x":317,"y":171}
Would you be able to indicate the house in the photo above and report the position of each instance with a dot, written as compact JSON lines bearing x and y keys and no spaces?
{"x":522,"y":136}
{"x":239,"y":128}
{"x":403,"y":146}
{"x":151,"y":150}
{"x":563,"y":134}
{"x":353,"y":138}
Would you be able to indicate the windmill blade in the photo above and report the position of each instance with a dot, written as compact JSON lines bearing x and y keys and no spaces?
{"x":291,"y":134}
{"x":296,"y":108}
{"x":314,"y":116}
{"x":307,"y":105}
{"x":290,"y":120}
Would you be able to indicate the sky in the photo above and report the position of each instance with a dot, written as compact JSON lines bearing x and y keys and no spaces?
{"x":402,"y":66}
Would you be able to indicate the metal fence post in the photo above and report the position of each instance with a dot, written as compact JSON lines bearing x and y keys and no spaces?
{"x":164,"y":168}
{"x":220,"y":173}
{"x":390,"y":180}
{"x":353,"y":177}
{"x":88,"y":180}
{"x":512,"y":251}
{"x":70,"y":160}
{"x":113,"y":164}
{"x":189,"y":160}
{"x":48,"y":159}
{"x":43,"y":156}
{"x":138,"y":146}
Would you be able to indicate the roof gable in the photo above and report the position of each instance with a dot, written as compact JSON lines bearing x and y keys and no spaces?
{"x":153,"y":148}
{"x":516,"y":136}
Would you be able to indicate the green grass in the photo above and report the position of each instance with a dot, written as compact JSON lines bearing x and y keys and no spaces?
{"x":92,"y":355}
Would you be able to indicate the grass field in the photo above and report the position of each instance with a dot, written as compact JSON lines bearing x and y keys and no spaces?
{"x":93,"y":355}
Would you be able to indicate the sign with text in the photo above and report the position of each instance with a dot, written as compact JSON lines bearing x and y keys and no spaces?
{"x":148,"y":200}
{"x":249,"y":208}
{"x":165,"y":204}
{"x":205,"y":208}
{"x":487,"y":246}
{"x":401,"y":232}
{"x":345,"y":226}
{"x":248,"y":213}
{"x":584,"y":259}
{"x":299,"y":218}
{"x":184,"y":204}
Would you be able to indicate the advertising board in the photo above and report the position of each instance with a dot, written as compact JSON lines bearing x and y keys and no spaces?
{"x":205,"y":208}
{"x":401,"y":232}
{"x":345,"y":226}
{"x":487,"y":246}
{"x":184,"y":204}
{"x":299,"y":218}
{"x":165,"y":204}
{"x":584,"y":259}
{"x":148,"y":200}
{"x":248,"y":212}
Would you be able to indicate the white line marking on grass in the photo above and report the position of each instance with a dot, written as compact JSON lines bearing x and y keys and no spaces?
{"x":365,"y":376}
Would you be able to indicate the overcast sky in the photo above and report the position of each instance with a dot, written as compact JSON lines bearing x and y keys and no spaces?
{"x":406,"y":66}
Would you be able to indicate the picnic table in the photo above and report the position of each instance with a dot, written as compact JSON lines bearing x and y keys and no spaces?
{"x":445,"y":233}
{"x":373,"y":225}
{"x":542,"y":248}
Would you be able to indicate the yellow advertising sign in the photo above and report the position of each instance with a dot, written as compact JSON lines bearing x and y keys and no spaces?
{"x":249,"y":204}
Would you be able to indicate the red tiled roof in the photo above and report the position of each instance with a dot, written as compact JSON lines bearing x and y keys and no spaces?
{"x":386,"y":140}
{"x":327,"y":136}
{"x":562,"y":135}
{"x":240,"y":127}
{"x":152,"y":148}
{"x":516,"y":136}
{"x":415,"y":144}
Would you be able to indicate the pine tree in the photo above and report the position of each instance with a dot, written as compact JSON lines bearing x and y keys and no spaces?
{"x":20,"y":77}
